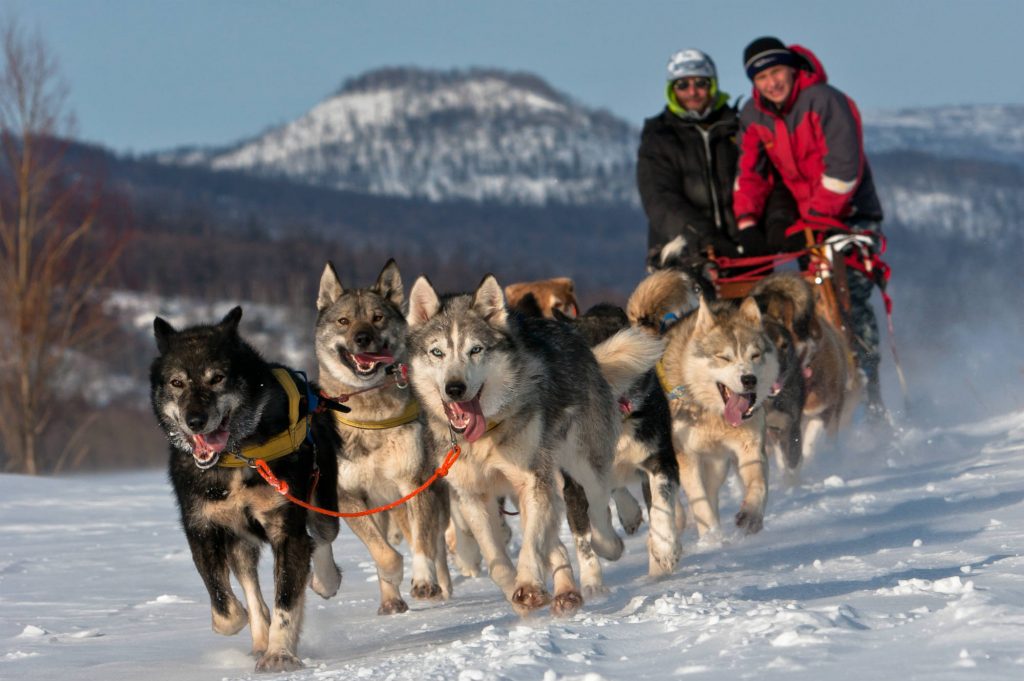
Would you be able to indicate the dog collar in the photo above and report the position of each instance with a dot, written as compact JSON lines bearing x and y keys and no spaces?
{"x":408,"y":415}
{"x":282,"y":444}
{"x":671,"y":393}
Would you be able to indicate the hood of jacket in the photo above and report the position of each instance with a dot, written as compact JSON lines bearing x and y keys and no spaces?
{"x":811,"y":72}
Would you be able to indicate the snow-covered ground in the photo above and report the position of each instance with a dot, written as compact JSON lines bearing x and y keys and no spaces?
{"x":900,"y":560}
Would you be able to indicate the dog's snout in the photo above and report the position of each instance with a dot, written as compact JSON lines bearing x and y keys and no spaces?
{"x":363,"y":338}
{"x":195,"y":420}
{"x":455,"y":389}
{"x":749,"y":381}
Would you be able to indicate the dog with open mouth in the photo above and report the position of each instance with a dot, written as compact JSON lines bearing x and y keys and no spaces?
{"x":718,"y":370}
{"x":218,"y":401}
{"x":533,"y":410}
{"x":361,"y":351}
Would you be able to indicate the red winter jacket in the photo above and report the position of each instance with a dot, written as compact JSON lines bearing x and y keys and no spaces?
{"x":816,"y":144}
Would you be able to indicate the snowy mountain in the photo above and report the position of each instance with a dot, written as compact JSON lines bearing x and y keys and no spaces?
{"x":901,"y":560}
{"x":444,"y":135}
{"x":986,"y":132}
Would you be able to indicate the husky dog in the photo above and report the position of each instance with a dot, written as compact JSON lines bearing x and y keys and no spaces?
{"x":644,"y":450}
{"x":558,"y":293}
{"x":214,"y":397}
{"x":832,"y":381}
{"x":717,"y":371}
{"x":524,"y":399}
{"x":360,"y":337}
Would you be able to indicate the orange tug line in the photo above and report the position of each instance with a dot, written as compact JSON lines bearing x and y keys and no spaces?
{"x":281,"y":486}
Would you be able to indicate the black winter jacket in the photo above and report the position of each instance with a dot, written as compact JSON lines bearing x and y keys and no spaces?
{"x":685,"y":174}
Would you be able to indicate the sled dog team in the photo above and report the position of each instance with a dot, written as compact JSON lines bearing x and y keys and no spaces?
{"x":549,"y":413}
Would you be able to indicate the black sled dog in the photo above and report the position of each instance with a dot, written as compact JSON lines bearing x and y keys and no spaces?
{"x":220,"y":403}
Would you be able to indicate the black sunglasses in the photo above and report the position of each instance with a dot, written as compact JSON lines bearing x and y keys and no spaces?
{"x":685,"y":83}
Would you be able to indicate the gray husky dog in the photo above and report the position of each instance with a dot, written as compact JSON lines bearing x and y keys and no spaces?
{"x":527,"y":402}
{"x":718,"y":370}
{"x":217,"y":401}
{"x":361,"y":349}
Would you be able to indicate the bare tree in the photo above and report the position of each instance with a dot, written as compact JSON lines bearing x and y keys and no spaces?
{"x":53,"y":255}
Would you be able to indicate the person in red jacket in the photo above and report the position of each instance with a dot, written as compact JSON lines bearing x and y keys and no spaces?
{"x":810,"y":133}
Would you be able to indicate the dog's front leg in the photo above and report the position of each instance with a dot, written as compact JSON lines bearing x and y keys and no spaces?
{"x":481,"y":515}
{"x":427,"y":518}
{"x":537,"y":505}
{"x":752,"y":463}
{"x":663,"y":547}
{"x":388,"y":560}
{"x":210,"y":555}
{"x":293,"y":550}
{"x":244,"y":556}
{"x":692,"y":481}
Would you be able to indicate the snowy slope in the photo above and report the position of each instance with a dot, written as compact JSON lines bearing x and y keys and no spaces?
{"x":898,"y":560}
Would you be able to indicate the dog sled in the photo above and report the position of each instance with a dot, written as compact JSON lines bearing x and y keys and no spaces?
{"x":831,"y":250}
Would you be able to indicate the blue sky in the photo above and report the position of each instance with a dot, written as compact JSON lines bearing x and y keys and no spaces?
{"x":147,"y":75}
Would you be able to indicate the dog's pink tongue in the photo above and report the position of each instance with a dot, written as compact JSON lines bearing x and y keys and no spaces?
{"x":211,"y":443}
{"x":371,"y":357}
{"x":471,"y":411}
{"x":735,"y":408}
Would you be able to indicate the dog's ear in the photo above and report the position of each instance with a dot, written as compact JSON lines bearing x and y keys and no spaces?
{"x":330,"y":288}
{"x":750,"y":312}
{"x":163,"y":332}
{"x":389,"y":283}
{"x":423,"y":303}
{"x":489,"y":302}
{"x":231,"y":319}
{"x":705,"y":318}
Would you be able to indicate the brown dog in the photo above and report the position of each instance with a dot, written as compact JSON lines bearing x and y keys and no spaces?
{"x":558,"y":293}
{"x":832,"y":381}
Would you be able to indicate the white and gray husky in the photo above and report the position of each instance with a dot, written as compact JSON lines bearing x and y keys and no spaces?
{"x":528,"y":403}
{"x":718,"y":371}
{"x":360,"y":340}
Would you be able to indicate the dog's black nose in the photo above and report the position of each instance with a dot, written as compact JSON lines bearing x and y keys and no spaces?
{"x":455,"y":389}
{"x":749,"y":381}
{"x":363,"y":338}
{"x":195,"y":420}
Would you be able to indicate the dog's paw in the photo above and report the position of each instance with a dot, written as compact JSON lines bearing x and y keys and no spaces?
{"x":528,"y":598}
{"x":749,"y":521}
{"x":326,"y":585}
{"x":425,"y":591}
{"x":663,"y":560}
{"x":631,"y":524}
{"x":233,"y":621}
{"x":278,"y":661}
{"x":392,"y":606}
{"x":607,"y":547}
{"x":566,"y":604}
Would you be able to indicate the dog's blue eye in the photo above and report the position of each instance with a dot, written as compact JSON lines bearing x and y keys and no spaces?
{"x":436,"y":352}
{"x":476,"y":349}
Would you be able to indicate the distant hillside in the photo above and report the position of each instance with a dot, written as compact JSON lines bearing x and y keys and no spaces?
{"x":481,"y":134}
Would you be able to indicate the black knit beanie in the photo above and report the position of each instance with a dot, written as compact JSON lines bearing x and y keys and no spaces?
{"x":765,"y":53}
